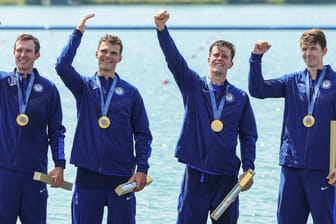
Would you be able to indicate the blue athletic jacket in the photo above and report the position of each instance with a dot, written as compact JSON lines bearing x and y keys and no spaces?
{"x":198,"y":146}
{"x":122,"y":147}
{"x":301,"y":147}
{"x":25,"y":149}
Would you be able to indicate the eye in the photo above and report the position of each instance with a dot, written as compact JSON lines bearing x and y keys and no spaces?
{"x":103,"y":51}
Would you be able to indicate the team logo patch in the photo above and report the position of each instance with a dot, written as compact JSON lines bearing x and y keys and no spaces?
{"x":119,"y":91}
{"x":38,"y":88}
{"x":229,"y":97}
{"x":12,"y":81}
{"x":326,"y":84}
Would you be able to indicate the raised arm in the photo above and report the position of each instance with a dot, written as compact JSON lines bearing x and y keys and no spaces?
{"x":178,"y":66}
{"x":258,"y":87}
{"x":160,"y":19}
{"x":64,"y":67}
{"x":261,"y":47}
{"x":81,"y":26}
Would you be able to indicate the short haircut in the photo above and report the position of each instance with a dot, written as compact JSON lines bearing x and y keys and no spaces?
{"x":223,"y":43}
{"x":314,"y":36}
{"x":111,"y":39}
{"x":27,"y":37}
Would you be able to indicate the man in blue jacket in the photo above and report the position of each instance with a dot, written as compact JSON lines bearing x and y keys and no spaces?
{"x":306,"y":186}
{"x":112,"y":143}
{"x":30,"y":122}
{"x":216,"y":114}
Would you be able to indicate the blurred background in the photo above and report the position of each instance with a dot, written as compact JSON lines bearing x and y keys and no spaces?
{"x":81,"y":2}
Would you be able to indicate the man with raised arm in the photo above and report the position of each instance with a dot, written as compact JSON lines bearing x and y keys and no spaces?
{"x":306,"y":185}
{"x":217,"y":114}
{"x":112,"y":143}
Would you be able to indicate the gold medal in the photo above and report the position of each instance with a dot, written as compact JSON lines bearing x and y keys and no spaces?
{"x":22,"y":119}
{"x":216,"y":125}
{"x":104,"y":122}
{"x":308,"y":121}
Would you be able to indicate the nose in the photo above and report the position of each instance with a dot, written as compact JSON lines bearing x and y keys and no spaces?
{"x":22,"y":53}
{"x":109,"y":55}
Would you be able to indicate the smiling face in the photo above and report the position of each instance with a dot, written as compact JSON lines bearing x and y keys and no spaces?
{"x":26,"y":51}
{"x":108,"y":56}
{"x":312,"y":55}
{"x":220,"y":58}
{"x":313,"y":46}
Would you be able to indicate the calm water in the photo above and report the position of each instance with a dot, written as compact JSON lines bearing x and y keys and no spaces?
{"x":144,"y":66}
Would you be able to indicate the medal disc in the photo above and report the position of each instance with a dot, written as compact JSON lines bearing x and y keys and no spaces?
{"x":308,"y":121}
{"x":216,"y":125}
{"x":104,"y":122}
{"x":22,"y":119}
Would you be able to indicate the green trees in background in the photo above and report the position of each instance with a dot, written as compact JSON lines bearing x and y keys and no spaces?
{"x":78,"y":2}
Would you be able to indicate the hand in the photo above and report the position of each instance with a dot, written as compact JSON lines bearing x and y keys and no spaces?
{"x":332,"y":178}
{"x":81,"y":24}
{"x":57,"y":175}
{"x":248,"y":184}
{"x":140,"y":179}
{"x":160,"y":19}
{"x":261,"y":46}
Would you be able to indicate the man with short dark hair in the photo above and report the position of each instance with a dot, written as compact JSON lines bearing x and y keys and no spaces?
{"x":216,"y":114}
{"x":306,"y":186}
{"x":112,"y":143}
{"x":30,"y":122}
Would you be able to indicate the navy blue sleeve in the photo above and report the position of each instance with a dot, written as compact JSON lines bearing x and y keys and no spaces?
{"x":248,"y":136}
{"x":260,"y":88}
{"x":185,"y":77}
{"x":142,"y":134}
{"x":64,"y":68}
{"x":56,"y":131}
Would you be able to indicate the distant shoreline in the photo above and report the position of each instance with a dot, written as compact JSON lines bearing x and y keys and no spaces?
{"x":171,"y":2}
{"x":102,"y":2}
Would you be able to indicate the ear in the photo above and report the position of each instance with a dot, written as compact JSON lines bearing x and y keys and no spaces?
{"x":37,"y":55}
{"x":231,"y":64}
{"x":324,"y":51}
{"x":96,"y":54}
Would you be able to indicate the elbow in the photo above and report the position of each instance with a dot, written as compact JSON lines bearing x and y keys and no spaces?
{"x":60,"y":67}
{"x":255,"y":93}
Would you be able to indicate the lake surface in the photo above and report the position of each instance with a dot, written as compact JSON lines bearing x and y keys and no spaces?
{"x":143,"y":65}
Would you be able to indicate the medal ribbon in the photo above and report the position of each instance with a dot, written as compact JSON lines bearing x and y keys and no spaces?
{"x":311,"y":102}
{"x":105,"y":105}
{"x":23,"y":103}
{"x":217,"y":111}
